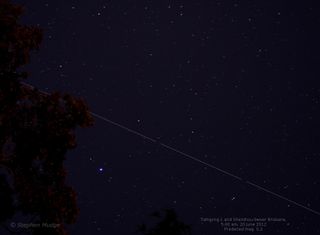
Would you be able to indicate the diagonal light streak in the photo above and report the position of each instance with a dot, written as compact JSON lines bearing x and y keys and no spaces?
{"x":191,"y":157}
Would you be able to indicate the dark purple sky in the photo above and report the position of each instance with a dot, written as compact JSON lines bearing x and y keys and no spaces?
{"x":232,"y":83}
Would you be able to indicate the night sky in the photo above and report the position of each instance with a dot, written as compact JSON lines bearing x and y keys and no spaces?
{"x":232,"y":83}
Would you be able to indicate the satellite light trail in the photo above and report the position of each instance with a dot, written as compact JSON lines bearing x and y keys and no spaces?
{"x":181,"y":153}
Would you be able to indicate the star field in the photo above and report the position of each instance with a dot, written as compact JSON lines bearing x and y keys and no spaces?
{"x":234,"y":83}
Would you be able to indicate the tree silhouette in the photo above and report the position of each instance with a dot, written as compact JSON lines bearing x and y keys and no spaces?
{"x":168,"y":225}
{"x":36,"y":131}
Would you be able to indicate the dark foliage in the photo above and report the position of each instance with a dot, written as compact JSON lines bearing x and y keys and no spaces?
{"x":36,"y":131}
{"x":168,"y":225}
